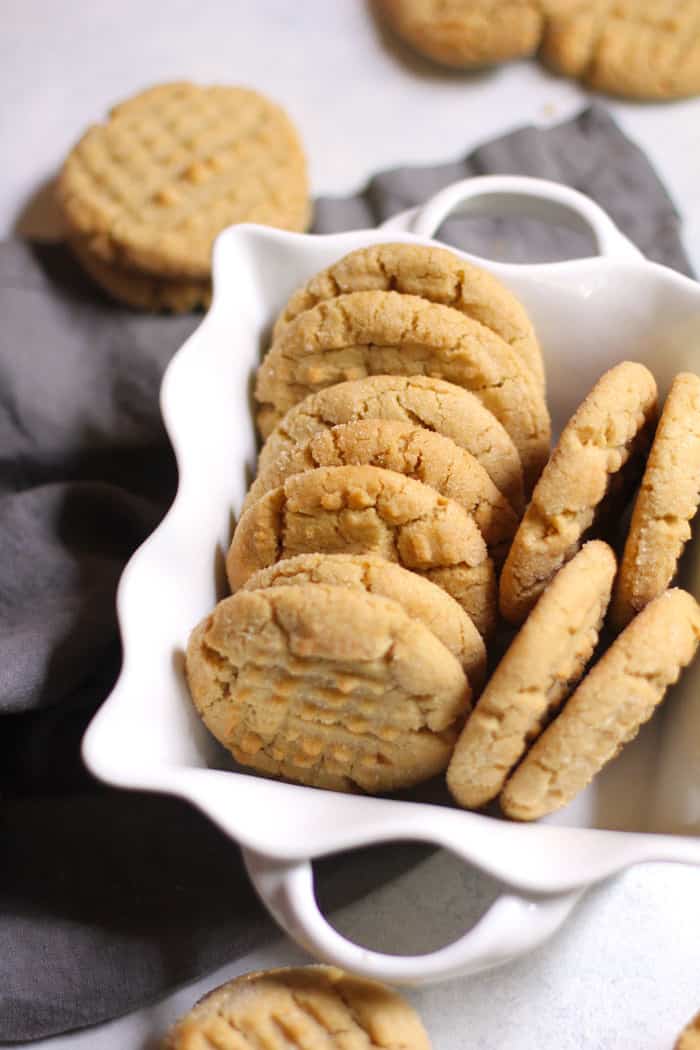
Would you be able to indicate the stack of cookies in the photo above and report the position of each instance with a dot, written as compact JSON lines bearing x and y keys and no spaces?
{"x":406,"y":510}
{"x":145,"y":194}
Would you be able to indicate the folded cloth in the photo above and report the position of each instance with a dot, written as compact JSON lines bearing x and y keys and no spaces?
{"x":108,"y":899}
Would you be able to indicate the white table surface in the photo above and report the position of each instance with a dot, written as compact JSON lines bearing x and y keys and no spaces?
{"x":625,"y":971}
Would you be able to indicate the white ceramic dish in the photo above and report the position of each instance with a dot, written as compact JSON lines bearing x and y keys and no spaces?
{"x":589,"y":314}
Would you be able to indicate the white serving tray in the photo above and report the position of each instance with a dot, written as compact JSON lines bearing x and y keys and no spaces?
{"x":589,"y":314}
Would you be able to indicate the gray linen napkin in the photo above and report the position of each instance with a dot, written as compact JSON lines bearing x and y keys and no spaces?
{"x":109,"y":899}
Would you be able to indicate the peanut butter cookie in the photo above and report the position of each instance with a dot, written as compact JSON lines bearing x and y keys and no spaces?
{"x":409,"y":450}
{"x":303,"y":1007}
{"x":361,"y":510}
{"x":467,"y":33}
{"x":422,"y":400}
{"x":327,"y":686}
{"x":387,"y":333}
{"x":543,"y":663}
{"x":666,"y":504}
{"x":595,"y":444}
{"x":646,"y":49}
{"x":152,"y":187}
{"x":418,"y":597}
{"x":606,"y":711}
{"x":435,"y":274}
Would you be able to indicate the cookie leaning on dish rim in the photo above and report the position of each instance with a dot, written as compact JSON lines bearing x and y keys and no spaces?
{"x":424,"y":401}
{"x":388,"y":333}
{"x":327,"y":686}
{"x":151,"y":187}
{"x":368,"y":510}
{"x":406,"y":449}
{"x":431,"y":273}
{"x":418,"y":597}
{"x":597,"y":442}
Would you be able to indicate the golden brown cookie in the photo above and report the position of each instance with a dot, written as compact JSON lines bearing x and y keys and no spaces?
{"x":435,"y":274}
{"x":606,"y":711}
{"x":143,"y":291}
{"x":467,"y":33}
{"x":152,"y":187}
{"x":689,"y":1039}
{"x":543,"y":663}
{"x":327,"y":686}
{"x":423,"y":400}
{"x":418,"y":597}
{"x":647,"y":49}
{"x":367,"y":510}
{"x":666,"y":503}
{"x":595,"y":444}
{"x":409,"y":450}
{"x":387,"y":333}
{"x":300,"y":1008}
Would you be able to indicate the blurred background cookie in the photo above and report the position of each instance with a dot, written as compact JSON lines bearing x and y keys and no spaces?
{"x":145,"y":193}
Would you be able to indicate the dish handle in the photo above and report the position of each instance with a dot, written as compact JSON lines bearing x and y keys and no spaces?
{"x":512,"y":926}
{"x":524,"y":196}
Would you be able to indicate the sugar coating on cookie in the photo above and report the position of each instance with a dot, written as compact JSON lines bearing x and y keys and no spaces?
{"x":436,"y":274}
{"x":543,"y":663}
{"x":327,"y":686}
{"x":689,"y":1039}
{"x":467,"y":33}
{"x":666,"y":503}
{"x":143,"y":291}
{"x":425,"y":401}
{"x":418,"y":597}
{"x":152,"y":186}
{"x":607,"y":710}
{"x":360,"y":510}
{"x":594,"y":446}
{"x":409,"y":450}
{"x":300,"y":1007}
{"x":387,"y":333}
{"x":646,"y":49}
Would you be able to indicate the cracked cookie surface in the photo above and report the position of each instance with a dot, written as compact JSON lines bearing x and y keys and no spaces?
{"x":409,"y":450}
{"x":646,"y":49}
{"x":435,"y":274}
{"x":361,"y":510}
{"x":608,"y":708}
{"x":327,"y":686}
{"x":543,"y":663}
{"x":418,"y":597}
{"x":666,"y":503}
{"x":595,"y":445}
{"x":300,"y":1008}
{"x":171,"y":167}
{"x":387,"y":333}
{"x":425,"y":401}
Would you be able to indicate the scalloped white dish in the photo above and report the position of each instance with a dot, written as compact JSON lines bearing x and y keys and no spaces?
{"x":589,"y":314}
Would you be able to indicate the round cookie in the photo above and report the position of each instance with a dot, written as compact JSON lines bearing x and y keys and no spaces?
{"x":387,"y":333}
{"x":467,"y":33}
{"x":689,"y":1039}
{"x":666,"y":503}
{"x":409,"y":450}
{"x":327,"y":686}
{"x":422,"y":400}
{"x":435,"y":274}
{"x":544,"y":661}
{"x":142,"y":291}
{"x":361,"y":510}
{"x":153,"y":186}
{"x":644,"y":49}
{"x":594,"y":445}
{"x":418,"y":597}
{"x":304,"y":1006}
{"x":606,"y":711}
